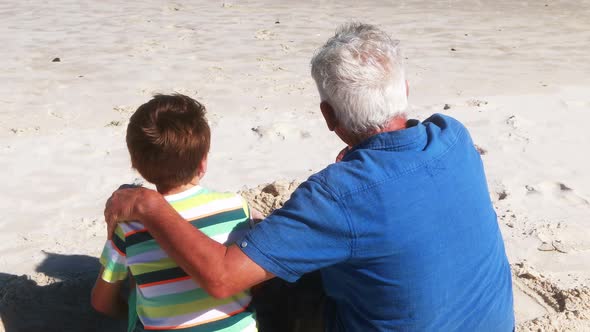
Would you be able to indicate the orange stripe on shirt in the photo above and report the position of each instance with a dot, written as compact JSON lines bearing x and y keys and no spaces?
{"x":143,"y":230}
{"x":156,"y":283}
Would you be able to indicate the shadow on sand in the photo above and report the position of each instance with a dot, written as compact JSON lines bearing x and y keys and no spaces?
{"x":56,"y":299}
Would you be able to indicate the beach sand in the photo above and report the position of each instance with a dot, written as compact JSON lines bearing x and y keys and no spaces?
{"x":514,"y":72}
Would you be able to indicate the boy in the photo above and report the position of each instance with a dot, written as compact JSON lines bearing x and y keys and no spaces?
{"x":168,"y":140}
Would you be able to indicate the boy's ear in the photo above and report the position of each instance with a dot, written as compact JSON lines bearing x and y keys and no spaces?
{"x":329,"y":115}
{"x":202,"y":167}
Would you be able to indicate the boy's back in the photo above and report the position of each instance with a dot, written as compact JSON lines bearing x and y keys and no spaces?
{"x":168,"y":140}
{"x":167,"y":298}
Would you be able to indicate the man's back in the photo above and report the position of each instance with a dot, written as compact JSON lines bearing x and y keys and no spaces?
{"x":428,"y":252}
{"x":404,"y":233}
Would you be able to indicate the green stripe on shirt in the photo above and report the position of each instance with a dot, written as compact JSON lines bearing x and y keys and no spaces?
{"x":153,"y":266}
{"x":184,"y":308}
{"x":142,"y":247}
{"x":179,"y":298}
{"x":199,"y":200}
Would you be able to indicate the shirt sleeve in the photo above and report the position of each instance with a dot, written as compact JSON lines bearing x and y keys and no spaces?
{"x":242,"y":223}
{"x":308,"y":233}
{"x":114,"y":258}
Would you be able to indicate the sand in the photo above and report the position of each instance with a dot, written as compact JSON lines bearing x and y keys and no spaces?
{"x":514,"y":72}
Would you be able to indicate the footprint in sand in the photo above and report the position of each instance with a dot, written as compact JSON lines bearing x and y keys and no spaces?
{"x":519,"y":122}
{"x":499,"y":191}
{"x":279,"y":131}
{"x":122,"y":109}
{"x":569,"y":235}
{"x":558,"y":191}
{"x":19,"y":131}
{"x":264,"y":35}
{"x":516,"y":125}
{"x":174,"y":7}
{"x":512,"y":121}
{"x":476,"y":103}
{"x":576,"y":104}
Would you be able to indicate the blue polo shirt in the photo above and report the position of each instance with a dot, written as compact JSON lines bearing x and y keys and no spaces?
{"x":403,"y":232}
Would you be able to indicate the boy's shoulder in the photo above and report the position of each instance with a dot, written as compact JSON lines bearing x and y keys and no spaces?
{"x":199,"y":194}
{"x":127,"y":228}
{"x":218,"y":195}
{"x":205,"y":201}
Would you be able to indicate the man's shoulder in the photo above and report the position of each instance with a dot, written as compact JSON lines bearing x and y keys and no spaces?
{"x":446,"y":124}
{"x":341,"y":178}
{"x":366,"y":168}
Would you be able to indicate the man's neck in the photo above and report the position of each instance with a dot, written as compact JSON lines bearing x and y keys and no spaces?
{"x":397,"y":123}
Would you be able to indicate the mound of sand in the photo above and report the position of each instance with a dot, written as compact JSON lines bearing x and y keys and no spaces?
{"x":565,"y":309}
{"x":268,"y":197}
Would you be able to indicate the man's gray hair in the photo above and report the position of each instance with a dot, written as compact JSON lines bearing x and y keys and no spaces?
{"x":360,"y":73}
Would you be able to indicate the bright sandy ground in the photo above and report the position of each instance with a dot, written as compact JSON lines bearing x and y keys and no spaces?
{"x":516,"y":73}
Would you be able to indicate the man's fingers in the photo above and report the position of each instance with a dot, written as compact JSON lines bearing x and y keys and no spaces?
{"x":110,"y":231}
{"x":111,"y":225}
{"x":107,"y":205}
{"x":109,"y":217}
{"x":119,"y":206}
{"x":129,"y":186}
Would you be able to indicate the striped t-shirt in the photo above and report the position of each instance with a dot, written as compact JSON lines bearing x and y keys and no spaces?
{"x":167,"y":298}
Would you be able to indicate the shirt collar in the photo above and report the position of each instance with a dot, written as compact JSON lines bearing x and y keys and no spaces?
{"x":413,"y":138}
{"x":183,"y":194}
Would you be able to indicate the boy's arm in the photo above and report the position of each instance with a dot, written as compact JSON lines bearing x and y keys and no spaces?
{"x":106,"y":297}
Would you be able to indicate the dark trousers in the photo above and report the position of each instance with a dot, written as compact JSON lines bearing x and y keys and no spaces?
{"x":290,"y":307}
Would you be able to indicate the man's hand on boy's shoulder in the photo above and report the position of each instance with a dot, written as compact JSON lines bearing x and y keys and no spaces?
{"x":129,"y":202}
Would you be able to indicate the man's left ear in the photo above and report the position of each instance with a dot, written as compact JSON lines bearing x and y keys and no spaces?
{"x":202,"y":167}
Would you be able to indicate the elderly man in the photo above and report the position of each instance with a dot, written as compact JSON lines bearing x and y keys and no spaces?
{"x":402,"y":228}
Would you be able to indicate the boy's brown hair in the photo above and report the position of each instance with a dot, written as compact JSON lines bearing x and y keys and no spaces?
{"x":167,"y":138}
